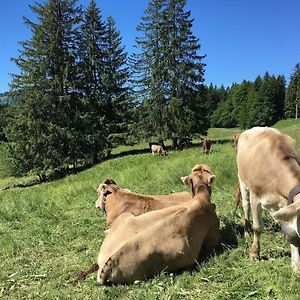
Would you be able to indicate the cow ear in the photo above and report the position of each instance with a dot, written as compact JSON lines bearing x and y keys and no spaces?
{"x":197,"y":168}
{"x":186,"y":180}
{"x":211,"y":180}
{"x":288,"y":212}
{"x":109,"y":181}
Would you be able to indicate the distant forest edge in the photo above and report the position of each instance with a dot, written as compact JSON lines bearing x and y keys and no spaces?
{"x":82,"y":95}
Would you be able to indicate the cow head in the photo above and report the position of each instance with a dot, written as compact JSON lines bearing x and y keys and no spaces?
{"x":105,"y":188}
{"x":289,"y":218}
{"x":201,"y":174}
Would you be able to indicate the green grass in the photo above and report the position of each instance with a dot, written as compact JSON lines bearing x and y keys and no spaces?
{"x":50,"y":232}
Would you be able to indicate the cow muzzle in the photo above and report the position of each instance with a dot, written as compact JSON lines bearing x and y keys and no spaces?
{"x":291,"y":231}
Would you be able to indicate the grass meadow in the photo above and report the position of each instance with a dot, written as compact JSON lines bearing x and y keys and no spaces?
{"x":50,"y":232}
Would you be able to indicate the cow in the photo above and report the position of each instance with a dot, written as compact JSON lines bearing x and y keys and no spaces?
{"x":159,"y":143}
{"x":114,"y":201}
{"x":178,"y":143}
{"x":158,"y":149}
{"x":269,"y":178}
{"x":165,"y":240}
{"x":206,"y":146}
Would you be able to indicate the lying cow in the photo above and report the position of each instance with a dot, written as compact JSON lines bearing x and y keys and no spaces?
{"x":158,"y":149}
{"x":114,"y":201}
{"x":206,"y":146}
{"x":269,"y":177}
{"x":169,"y":239}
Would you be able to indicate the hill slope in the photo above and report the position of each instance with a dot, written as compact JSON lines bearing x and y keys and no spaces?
{"x":52,"y":231}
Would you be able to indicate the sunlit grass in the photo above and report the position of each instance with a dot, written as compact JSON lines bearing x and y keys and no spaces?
{"x":52,"y":231}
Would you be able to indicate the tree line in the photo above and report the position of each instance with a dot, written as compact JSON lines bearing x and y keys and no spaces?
{"x":78,"y":93}
{"x":260,"y":103}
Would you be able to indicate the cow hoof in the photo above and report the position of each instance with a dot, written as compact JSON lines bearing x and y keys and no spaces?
{"x":254,"y":256}
{"x":100,"y":282}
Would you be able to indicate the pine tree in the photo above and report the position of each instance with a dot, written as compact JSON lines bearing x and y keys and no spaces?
{"x":45,"y":130}
{"x":170,"y":71}
{"x":279,"y":96}
{"x":149,"y":70}
{"x":115,"y":80}
{"x":93,"y":53}
{"x":292,"y":97}
{"x":224,"y":116}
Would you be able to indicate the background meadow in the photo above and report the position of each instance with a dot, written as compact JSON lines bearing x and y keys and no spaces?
{"x":52,"y":231}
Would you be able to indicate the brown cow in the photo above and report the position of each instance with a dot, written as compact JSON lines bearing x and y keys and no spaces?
{"x":206,"y":146}
{"x":114,"y":201}
{"x":158,"y":149}
{"x":269,"y":177}
{"x":169,"y":239}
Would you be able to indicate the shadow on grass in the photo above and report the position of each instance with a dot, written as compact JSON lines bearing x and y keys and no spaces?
{"x":64,"y":172}
{"x":230,"y":233}
{"x":129,"y":152}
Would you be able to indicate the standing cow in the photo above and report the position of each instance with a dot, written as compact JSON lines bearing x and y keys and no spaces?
{"x":206,"y":146}
{"x":269,"y":177}
{"x":158,"y":149}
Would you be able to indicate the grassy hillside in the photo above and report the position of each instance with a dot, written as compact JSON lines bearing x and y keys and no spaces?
{"x":50,"y":232}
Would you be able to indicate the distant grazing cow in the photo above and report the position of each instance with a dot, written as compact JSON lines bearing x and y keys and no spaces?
{"x":159,"y":143}
{"x":206,"y":146}
{"x":165,"y":240}
{"x":269,"y":177}
{"x":114,"y":201}
{"x":157,"y":149}
{"x":180,"y":143}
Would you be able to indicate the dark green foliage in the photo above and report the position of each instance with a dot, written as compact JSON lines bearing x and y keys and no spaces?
{"x":45,"y":128}
{"x":104,"y":75}
{"x":258,"y":103}
{"x":115,"y":78}
{"x":168,"y":72}
{"x":71,"y":92}
{"x":292,"y":96}
{"x":2,"y":122}
{"x":93,"y":52}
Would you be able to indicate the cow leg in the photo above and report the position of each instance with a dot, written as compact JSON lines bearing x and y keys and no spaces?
{"x":257,"y":226}
{"x":246,"y":207}
{"x":295,"y":259}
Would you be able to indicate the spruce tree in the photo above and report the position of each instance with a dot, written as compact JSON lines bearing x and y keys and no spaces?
{"x":115,"y":80}
{"x":149,"y":69}
{"x":292,"y":97}
{"x":93,"y":52}
{"x":170,"y":71}
{"x":45,"y":130}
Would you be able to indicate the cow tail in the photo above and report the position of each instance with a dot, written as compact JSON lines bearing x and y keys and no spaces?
{"x":238,"y":196}
{"x":81,"y":276}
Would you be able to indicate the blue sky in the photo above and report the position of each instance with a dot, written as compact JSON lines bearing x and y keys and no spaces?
{"x":242,"y":38}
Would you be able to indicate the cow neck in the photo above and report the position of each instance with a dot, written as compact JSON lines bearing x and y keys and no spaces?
{"x":201,"y":187}
{"x":107,"y":192}
{"x":293,"y":193}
